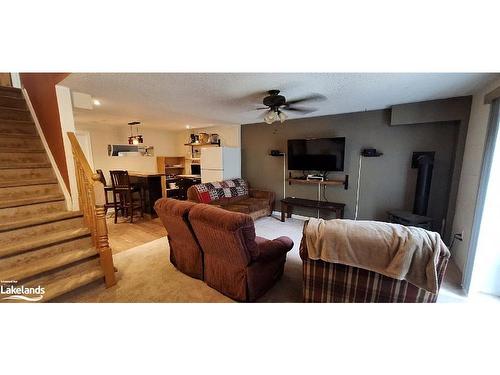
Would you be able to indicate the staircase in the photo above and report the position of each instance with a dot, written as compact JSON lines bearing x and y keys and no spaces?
{"x":41,"y":243}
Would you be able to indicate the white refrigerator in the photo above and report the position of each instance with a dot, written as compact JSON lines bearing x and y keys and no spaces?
{"x":220,"y":163}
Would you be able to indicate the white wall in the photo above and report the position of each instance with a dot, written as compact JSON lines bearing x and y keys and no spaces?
{"x":469,"y":177}
{"x":165,"y":143}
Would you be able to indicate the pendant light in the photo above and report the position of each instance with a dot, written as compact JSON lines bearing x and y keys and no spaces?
{"x":137,"y":138}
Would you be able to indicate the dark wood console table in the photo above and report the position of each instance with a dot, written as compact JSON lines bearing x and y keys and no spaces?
{"x":151,"y":185}
{"x":288,"y":203}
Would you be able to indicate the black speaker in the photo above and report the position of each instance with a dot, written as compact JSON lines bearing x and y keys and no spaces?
{"x":370,"y":153}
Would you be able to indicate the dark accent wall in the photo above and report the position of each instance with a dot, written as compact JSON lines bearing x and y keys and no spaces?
{"x":42,"y":93}
{"x":387,"y":182}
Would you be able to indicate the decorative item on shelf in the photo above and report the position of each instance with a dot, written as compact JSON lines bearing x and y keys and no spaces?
{"x":194,"y":138}
{"x":137,"y":138}
{"x":204,"y":137}
{"x":214,"y":138}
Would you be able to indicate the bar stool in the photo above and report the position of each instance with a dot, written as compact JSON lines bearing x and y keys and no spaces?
{"x":107,"y":189}
{"x":122,"y":188}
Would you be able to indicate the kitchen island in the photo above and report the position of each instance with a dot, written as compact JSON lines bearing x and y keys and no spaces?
{"x":150,"y":183}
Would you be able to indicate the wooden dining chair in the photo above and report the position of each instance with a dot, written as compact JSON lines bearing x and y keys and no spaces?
{"x":124,"y":190}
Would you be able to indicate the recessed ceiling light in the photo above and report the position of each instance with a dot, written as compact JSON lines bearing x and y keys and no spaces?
{"x":96,"y":102}
{"x":188,"y":126}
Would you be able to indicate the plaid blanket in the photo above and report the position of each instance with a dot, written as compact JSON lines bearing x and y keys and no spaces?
{"x":214,"y":191}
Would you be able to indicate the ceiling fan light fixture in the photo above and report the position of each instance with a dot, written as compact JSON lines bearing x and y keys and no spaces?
{"x":282,"y":116}
{"x":270,"y":117}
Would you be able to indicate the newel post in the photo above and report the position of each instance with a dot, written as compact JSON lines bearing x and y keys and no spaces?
{"x":101,"y":234}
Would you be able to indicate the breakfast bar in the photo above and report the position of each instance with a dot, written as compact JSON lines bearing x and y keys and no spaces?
{"x":150,"y":183}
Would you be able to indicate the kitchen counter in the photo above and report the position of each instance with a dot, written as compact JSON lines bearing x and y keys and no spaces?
{"x":189,"y":175}
{"x":145,"y":174}
{"x":150,"y":183}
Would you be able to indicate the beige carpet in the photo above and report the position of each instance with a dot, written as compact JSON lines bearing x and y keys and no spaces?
{"x":145,"y":274}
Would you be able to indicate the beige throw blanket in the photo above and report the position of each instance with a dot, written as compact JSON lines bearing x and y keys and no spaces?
{"x":393,"y":250}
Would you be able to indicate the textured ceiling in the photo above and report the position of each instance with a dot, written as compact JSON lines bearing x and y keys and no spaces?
{"x":173,"y":100}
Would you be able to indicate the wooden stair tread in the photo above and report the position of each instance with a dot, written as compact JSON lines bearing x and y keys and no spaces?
{"x":10,"y":88}
{"x":38,"y":220}
{"x":30,"y":182}
{"x":26,"y":266}
{"x":40,"y":151}
{"x":2,"y":108}
{"x":28,"y":201}
{"x":16,"y":122}
{"x":22,"y":150}
{"x":11,"y":92}
{"x":10,"y":101}
{"x":3,"y":94}
{"x":25,"y":165}
{"x":49,"y":239}
{"x":21,"y":135}
{"x":66,"y":280}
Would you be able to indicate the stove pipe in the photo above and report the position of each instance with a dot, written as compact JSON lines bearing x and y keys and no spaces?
{"x":424,"y":161}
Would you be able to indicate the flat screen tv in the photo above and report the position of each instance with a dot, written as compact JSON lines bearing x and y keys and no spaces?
{"x":317,"y":154}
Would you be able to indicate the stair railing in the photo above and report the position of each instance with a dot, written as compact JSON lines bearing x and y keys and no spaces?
{"x":91,"y":197}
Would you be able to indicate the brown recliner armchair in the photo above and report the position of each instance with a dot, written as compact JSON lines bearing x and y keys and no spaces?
{"x":185,"y":252}
{"x":236,"y":262}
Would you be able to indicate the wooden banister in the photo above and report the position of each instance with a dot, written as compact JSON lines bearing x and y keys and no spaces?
{"x":91,"y":197}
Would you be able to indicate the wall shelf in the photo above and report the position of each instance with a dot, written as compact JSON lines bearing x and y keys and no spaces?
{"x":199,"y":144}
{"x":336,"y":182}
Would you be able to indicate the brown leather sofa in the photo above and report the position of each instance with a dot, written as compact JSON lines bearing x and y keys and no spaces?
{"x":236,"y":262}
{"x":185,"y":251}
{"x":234,"y":195}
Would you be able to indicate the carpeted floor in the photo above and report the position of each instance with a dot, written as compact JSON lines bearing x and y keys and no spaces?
{"x":146,"y":275}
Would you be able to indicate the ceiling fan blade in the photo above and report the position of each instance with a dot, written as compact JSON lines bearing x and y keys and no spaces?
{"x":260,"y":108}
{"x":299,"y":109}
{"x":309,"y":98}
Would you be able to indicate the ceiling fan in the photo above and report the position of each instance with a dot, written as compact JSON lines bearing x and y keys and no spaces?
{"x":276,"y":104}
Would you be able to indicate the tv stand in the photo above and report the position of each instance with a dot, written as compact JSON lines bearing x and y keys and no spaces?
{"x":289,"y":203}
